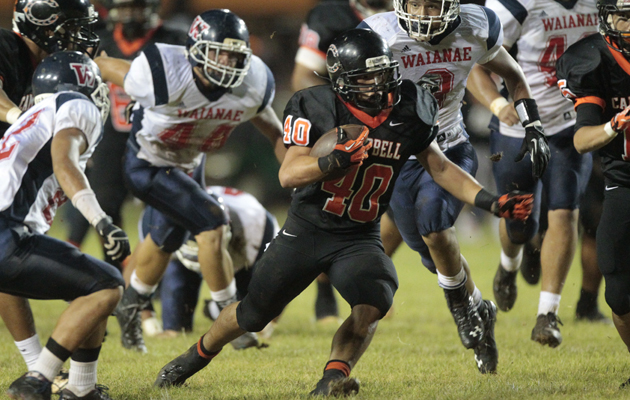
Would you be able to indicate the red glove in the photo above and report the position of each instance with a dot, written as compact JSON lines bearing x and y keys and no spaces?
{"x":347,"y":152}
{"x":621,"y":121}
{"x":514,"y":205}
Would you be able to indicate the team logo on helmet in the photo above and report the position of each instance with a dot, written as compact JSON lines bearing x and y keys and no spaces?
{"x":42,"y":7}
{"x":197,"y":27}
{"x":84,"y":74}
{"x":332,"y":49}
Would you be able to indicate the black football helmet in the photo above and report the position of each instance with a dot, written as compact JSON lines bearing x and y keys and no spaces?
{"x":71,"y":71}
{"x":617,"y":40}
{"x":363,"y":55}
{"x":367,"y":8}
{"x":423,"y":28}
{"x":136,"y":16}
{"x":56,"y":25}
{"x":216,"y":31}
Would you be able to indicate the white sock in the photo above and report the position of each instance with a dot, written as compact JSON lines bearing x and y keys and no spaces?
{"x":225,"y":294}
{"x":476,"y":295}
{"x":140,"y":286}
{"x":30,"y":349}
{"x":452,"y":282}
{"x":82,"y":377}
{"x":48,"y":364}
{"x":511,"y":264}
{"x":548,"y":303}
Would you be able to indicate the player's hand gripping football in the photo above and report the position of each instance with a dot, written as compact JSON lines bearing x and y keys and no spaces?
{"x":536,"y":144}
{"x":347,"y":152}
{"x":621,"y":121}
{"x":514,"y":205}
{"x":116,"y":240}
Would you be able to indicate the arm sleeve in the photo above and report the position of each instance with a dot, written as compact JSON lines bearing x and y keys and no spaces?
{"x":82,"y":115}
{"x":427,"y":112}
{"x":298,"y":128}
{"x":494,"y":40}
{"x":588,"y":114}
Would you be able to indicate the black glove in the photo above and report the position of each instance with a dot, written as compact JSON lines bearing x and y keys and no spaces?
{"x":536,"y":144}
{"x":346,"y":153}
{"x":116,"y":240}
{"x":514,"y":205}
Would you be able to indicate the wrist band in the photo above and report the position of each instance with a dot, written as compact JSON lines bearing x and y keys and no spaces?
{"x":85,"y":201}
{"x":527,"y":111}
{"x":13,"y":115}
{"x":498,"y":104}
{"x":485,"y":200}
{"x":609,"y":130}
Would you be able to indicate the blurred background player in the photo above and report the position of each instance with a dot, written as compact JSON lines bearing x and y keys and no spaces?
{"x":43,"y":157}
{"x":568,"y":171}
{"x":333,"y":224}
{"x":327,"y":20}
{"x":251,"y":229}
{"x":36,"y":34}
{"x":189,"y":99}
{"x":594,"y":73}
{"x":436,"y":44}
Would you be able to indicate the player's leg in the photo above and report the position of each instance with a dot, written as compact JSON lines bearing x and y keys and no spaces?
{"x":564,"y":182}
{"x":613,"y":250}
{"x":179,"y":295}
{"x":47,"y":268}
{"x":512,"y":234}
{"x":326,"y":309}
{"x":287,"y":268}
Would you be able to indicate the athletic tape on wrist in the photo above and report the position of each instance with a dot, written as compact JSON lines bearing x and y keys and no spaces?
{"x":85,"y":201}
{"x":609,"y":130}
{"x":498,"y":104}
{"x":13,"y":115}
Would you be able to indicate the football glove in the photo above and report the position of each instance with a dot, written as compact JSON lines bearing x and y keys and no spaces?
{"x":347,"y":152}
{"x":116,"y":240}
{"x":621,"y":121}
{"x":536,"y":144}
{"x":514,"y":205}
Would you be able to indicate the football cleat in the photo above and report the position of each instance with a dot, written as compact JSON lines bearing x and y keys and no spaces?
{"x":486,"y":353}
{"x":466,"y":316}
{"x":504,"y":287}
{"x":211,"y":310}
{"x":530,"y":266}
{"x":128,"y":316}
{"x":245,"y":341}
{"x":593,"y":316}
{"x":152,"y":326}
{"x":336,"y":387}
{"x":183,"y":367}
{"x":546,"y":330}
{"x":30,"y":386}
{"x":60,"y":381}
{"x":99,"y":393}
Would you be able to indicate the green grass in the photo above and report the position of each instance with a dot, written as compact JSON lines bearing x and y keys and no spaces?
{"x":414,"y":355}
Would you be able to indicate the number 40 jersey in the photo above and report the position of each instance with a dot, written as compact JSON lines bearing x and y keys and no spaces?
{"x":175,"y":122}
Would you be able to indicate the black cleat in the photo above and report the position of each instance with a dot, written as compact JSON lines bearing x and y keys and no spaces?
{"x":546,"y":330}
{"x":504,"y":287}
{"x":587,"y":309}
{"x":594,"y":317}
{"x":128,"y":316}
{"x":486,"y":353}
{"x":530,"y":266}
{"x":467,"y":319}
{"x":183,"y":367}
{"x":336,"y":387}
{"x":30,"y":386}
{"x":99,"y":393}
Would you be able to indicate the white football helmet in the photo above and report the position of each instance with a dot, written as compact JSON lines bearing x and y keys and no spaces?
{"x":423,"y":27}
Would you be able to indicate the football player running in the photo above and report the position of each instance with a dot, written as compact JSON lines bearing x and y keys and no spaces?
{"x":43,"y":155}
{"x":189,"y":99}
{"x":436,"y":43}
{"x":38,"y":30}
{"x":595,"y":74}
{"x":540,"y":40}
{"x":326,"y":21}
{"x":333,"y":225}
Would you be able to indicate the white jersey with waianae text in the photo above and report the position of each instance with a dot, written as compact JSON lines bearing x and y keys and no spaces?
{"x":448,"y":59}
{"x":29,"y":191}
{"x":542,"y":30}
{"x":178,"y":122}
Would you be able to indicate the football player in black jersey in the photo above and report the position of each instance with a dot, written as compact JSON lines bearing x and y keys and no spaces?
{"x":333,"y":225}
{"x":595,"y":74}
{"x":327,"y":20}
{"x":38,"y":30}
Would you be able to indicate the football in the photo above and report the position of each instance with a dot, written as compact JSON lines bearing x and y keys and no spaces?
{"x":327,"y":142}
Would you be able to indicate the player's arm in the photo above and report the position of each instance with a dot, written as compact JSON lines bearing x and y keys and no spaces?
{"x":482,"y":86}
{"x":66,"y":147}
{"x":113,"y":69}
{"x":590,"y":135}
{"x":9,"y":111}
{"x":268,"y":124}
{"x":462,"y":185}
{"x":299,"y":169}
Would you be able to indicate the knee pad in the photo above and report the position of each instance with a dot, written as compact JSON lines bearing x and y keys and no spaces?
{"x":618,"y":294}
{"x":522,"y":232}
{"x":254,"y":318}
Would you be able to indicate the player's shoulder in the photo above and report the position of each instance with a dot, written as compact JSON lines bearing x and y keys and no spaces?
{"x":585,"y":55}
{"x":385,"y":24}
{"x":476,"y":17}
{"x":417,"y":103}
{"x":258,"y":81}
{"x":11,"y":46}
{"x":314,"y":98}
{"x":8,"y":39}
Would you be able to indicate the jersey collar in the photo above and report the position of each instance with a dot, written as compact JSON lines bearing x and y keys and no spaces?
{"x":366,"y":118}
{"x":621,"y":60}
{"x":567,"y":4}
{"x":436,"y":40}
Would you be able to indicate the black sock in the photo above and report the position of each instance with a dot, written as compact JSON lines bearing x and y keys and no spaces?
{"x":205,"y":353}
{"x":58,"y":350}
{"x":337,"y":369}
{"x":587,"y":302}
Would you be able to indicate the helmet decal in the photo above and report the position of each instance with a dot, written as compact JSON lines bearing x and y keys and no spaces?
{"x":334,"y":67}
{"x":84,"y":74}
{"x":47,"y":8}
{"x":198,"y":26}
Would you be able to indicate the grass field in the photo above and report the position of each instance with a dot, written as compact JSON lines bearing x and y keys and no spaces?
{"x":414,"y":355}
